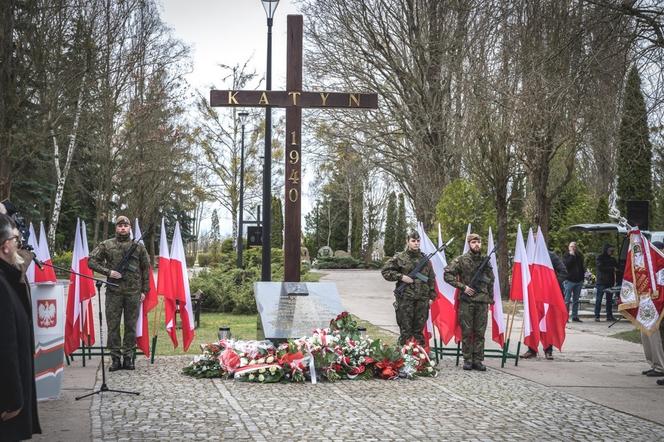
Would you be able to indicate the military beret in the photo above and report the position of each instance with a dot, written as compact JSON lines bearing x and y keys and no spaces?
{"x":413,"y":234}
{"x":121,"y":220}
{"x":473,"y":236}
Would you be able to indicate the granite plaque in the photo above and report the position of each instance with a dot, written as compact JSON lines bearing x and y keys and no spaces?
{"x":292,"y":310}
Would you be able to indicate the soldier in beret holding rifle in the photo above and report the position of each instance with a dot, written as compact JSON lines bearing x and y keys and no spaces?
{"x":414,"y":293}
{"x":124,"y":262}
{"x":471,"y":273}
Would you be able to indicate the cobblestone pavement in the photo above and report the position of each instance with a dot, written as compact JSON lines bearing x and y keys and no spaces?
{"x":457,"y":405}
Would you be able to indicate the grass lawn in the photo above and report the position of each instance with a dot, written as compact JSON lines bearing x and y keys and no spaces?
{"x":630,"y":335}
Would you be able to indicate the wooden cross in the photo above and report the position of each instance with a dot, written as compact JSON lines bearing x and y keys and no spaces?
{"x":293,"y":99}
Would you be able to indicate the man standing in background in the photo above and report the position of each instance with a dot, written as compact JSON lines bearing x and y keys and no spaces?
{"x":573,"y":284}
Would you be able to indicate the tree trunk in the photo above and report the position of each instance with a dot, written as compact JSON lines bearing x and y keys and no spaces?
{"x":7,"y":95}
{"x":62,"y":174}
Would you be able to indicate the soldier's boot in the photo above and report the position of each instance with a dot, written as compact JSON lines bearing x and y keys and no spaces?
{"x":128,"y":364}
{"x":467,"y":365}
{"x":115,"y":364}
{"x":479,"y":366}
{"x":529,"y":354}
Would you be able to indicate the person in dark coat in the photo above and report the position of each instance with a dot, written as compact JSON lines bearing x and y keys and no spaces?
{"x":576,"y":271}
{"x":606,"y":267}
{"x":18,"y":397}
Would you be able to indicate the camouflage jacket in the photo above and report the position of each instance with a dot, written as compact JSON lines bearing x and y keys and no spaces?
{"x":402,"y":264}
{"x":108,"y":254}
{"x":460,"y":272}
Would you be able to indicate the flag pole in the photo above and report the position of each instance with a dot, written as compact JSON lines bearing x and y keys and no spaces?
{"x":518,"y":345}
{"x":510,"y":324}
{"x":155,"y":320}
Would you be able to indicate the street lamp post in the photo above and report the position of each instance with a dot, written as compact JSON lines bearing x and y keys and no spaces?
{"x":270,"y":7}
{"x":243,"y":120}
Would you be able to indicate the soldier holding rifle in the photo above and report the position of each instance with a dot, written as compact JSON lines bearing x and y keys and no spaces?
{"x":124,"y":262}
{"x":471,"y":273}
{"x":414,"y":293}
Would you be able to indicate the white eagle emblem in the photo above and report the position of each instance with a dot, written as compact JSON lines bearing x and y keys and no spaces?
{"x":46,"y":313}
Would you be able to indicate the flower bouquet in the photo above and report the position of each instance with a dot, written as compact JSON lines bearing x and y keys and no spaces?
{"x":416,"y":361}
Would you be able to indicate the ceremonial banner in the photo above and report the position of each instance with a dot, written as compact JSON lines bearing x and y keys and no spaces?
{"x":641,"y":299}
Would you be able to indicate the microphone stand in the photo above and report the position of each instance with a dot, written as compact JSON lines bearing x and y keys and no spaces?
{"x":98,"y":284}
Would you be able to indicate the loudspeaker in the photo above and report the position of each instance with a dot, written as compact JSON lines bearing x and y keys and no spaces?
{"x":254,"y":236}
{"x":638,"y":213}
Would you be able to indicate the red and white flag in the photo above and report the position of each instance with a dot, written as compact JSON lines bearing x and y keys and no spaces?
{"x":181,"y":287}
{"x":521,"y":291}
{"x":642,"y":291}
{"x":73,"y":314}
{"x":86,"y":292}
{"x":549,"y":299}
{"x":150,"y":302}
{"x":443,"y":311}
{"x":497,"y":318}
{"x":43,"y":255}
{"x":165,"y":286}
{"x":32,"y":242}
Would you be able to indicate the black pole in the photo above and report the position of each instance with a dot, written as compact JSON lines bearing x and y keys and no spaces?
{"x":240,"y":229}
{"x":266,"y":270}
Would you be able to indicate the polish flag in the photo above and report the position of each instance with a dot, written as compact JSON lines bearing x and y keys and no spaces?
{"x":150,"y":301}
{"x":32,"y":242}
{"x":181,"y":288}
{"x":443,"y":311}
{"x":86,"y":292}
{"x":497,"y":318}
{"x":46,"y":275}
{"x":165,"y":285}
{"x":548,"y":297}
{"x":521,"y":291}
{"x":73,"y":314}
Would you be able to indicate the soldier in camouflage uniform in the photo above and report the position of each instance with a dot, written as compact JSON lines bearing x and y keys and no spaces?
{"x":412,"y":307}
{"x":473,"y":303}
{"x":125,"y":299}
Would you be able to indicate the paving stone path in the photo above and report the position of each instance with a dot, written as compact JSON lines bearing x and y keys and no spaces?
{"x":457,"y":405}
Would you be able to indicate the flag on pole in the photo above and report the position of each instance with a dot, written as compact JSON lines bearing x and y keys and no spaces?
{"x":87,"y":291}
{"x":443,"y":311}
{"x":150,"y":301}
{"x":497,"y":318}
{"x":73,"y":314}
{"x":46,"y":275}
{"x":181,"y":287}
{"x":549,"y":299}
{"x":32,"y":242}
{"x":521,"y":291}
{"x":165,"y":286}
{"x":642,"y":291}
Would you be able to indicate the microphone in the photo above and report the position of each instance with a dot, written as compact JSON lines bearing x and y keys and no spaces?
{"x":37,"y":262}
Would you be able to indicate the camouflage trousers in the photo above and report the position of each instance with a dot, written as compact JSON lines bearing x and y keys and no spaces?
{"x":117,"y":305}
{"x":411,"y":314}
{"x":473,"y":319}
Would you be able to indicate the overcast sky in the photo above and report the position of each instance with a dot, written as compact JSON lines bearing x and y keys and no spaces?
{"x":230,"y":32}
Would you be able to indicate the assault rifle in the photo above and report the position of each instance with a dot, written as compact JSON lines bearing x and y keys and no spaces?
{"x":122,"y":265}
{"x":478,"y":276}
{"x":415,"y":273}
